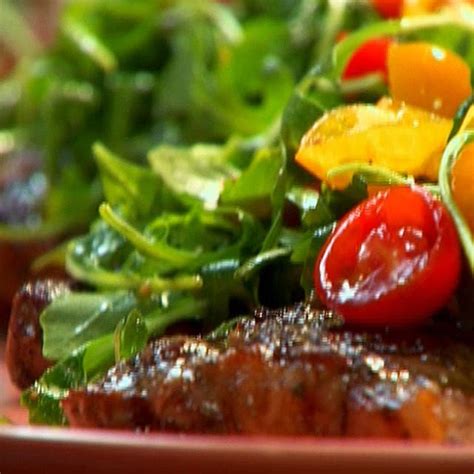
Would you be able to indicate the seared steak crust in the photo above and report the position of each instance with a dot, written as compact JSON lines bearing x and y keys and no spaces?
{"x":290,"y":372}
{"x":24,"y":358}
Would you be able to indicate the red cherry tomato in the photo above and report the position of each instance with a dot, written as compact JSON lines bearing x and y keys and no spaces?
{"x":393,"y":260}
{"x":369,"y":57}
{"x":388,"y":8}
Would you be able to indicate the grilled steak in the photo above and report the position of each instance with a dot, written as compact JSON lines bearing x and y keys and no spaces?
{"x":291,"y":372}
{"x":24,"y":358}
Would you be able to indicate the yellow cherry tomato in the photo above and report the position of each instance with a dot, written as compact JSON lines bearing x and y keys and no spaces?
{"x":421,"y":7}
{"x":462,"y":184}
{"x":428,"y":76}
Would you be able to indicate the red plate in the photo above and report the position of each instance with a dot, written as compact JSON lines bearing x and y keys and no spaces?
{"x":32,"y":449}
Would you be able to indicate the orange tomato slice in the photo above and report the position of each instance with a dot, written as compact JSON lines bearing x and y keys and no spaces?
{"x":391,"y":135}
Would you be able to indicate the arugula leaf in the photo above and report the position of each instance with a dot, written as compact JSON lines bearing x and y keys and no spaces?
{"x":155,"y":249}
{"x":370,"y":174}
{"x":210,"y":239}
{"x":254,"y":265}
{"x":125,"y":184}
{"x":132,"y":333}
{"x":130,"y":336}
{"x":222,"y":289}
{"x":43,"y":399}
{"x":98,"y":356}
{"x":305,"y":198}
{"x":306,"y":252}
{"x":93,"y":359}
{"x":342,"y":201}
{"x":74,"y":319}
{"x":315,"y":94}
{"x":253,"y":189}
{"x":300,"y":113}
{"x":198,"y":171}
{"x":101,"y":353}
{"x":319,"y":215}
{"x":97,"y":257}
{"x":261,"y":38}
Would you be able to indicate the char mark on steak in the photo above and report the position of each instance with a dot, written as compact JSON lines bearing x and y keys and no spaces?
{"x":290,"y":372}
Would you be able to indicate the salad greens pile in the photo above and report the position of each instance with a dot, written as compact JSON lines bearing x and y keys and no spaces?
{"x":188,"y":114}
{"x":134,"y":74}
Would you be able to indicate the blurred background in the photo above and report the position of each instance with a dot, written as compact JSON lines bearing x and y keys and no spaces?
{"x":25,"y":25}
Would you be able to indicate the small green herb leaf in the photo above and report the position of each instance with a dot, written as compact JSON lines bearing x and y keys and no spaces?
{"x":124,"y":183}
{"x":199,"y":171}
{"x":71,"y":321}
{"x":130,"y":336}
{"x":43,"y":398}
{"x":253,"y":189}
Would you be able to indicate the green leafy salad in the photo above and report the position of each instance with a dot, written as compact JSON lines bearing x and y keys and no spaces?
{"x":179,"y":120}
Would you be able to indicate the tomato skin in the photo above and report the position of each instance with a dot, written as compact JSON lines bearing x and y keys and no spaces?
{"x":370,"y":57}
{"x":429,"y":77}
{"x":388,"y":8}
{"x":394,"y":260}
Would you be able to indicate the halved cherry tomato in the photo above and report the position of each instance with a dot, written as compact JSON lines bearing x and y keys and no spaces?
{"x":392,"y":135}
{"x":389,"y":8}
{"x":370,"y":57}
{"x":394,"y":260}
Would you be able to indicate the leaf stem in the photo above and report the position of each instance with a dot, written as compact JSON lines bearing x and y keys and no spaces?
{"x":157,"y":250}
{"x":450,"y":156}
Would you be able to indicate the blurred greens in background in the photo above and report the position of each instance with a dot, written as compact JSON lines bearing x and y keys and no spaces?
{"x":138,"y":73}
